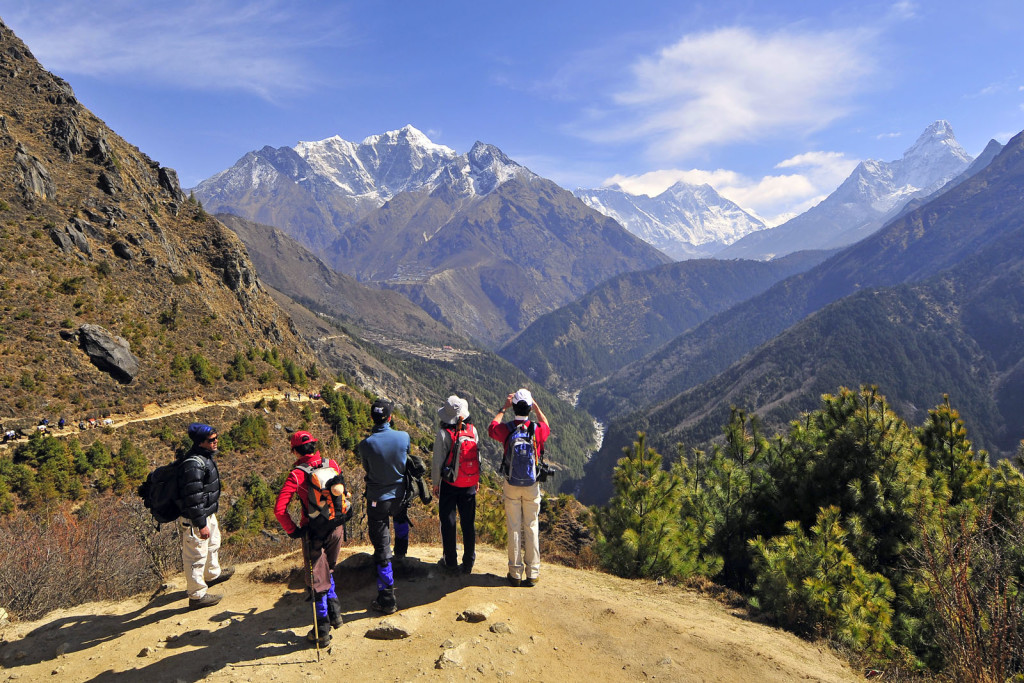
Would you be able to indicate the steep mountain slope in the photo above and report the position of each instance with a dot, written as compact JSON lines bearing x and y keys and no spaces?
{"x":685,"y":221}
{"x":490,"y":265}
{"x":286,"y":265}
{"x":94,"y":233}
{"x":959,"y":333}
{"x":991,"y":151}
{"x":630,"y":315}
{"x":872,"y":195}
{"x":953,"y":227}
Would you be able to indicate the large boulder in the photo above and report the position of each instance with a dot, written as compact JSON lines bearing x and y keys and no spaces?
{"x":108,"y":352}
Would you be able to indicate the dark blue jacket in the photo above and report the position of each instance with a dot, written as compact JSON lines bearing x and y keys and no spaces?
{"x":383,"y":454}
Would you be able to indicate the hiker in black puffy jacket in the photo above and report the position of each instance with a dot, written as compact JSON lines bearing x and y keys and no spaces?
{"x":199,"y":491}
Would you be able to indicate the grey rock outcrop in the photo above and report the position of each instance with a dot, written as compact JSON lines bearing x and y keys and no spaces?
{"x":67,"y":136}
{"x":35,"y":178}
{"x":108,"y":352}
{"x":169,"y":181}
{"x":69,"y":239}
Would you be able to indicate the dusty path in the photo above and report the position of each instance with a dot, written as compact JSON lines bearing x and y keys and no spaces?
{"x":156,"y":411}
{"x":573,"y":626}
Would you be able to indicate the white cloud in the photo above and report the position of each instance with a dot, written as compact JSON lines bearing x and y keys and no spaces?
{"x":774,"y":198}
{"x":254,"y":47}
{"x":735,"y":85}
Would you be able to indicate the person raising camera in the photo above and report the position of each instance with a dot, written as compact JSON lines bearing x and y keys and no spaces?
{"x":523,"y":441}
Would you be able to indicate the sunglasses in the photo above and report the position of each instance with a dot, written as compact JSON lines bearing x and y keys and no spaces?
{"x":211,"y":439}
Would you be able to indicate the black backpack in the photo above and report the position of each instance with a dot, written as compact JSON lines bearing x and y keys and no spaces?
{"x":159,"y":492}
{"x":415,"y":470}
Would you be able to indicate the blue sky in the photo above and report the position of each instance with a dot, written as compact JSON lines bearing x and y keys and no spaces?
{"x":772,"y":103}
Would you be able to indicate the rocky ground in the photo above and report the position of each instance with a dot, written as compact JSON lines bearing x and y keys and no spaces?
{"x":573,"y":626}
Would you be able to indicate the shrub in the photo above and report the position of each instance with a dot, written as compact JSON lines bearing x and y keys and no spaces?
{"x":202,"y":369}
{"x":641,"y":531}
{"x":251,"y":434}
{"x":812,"y":583}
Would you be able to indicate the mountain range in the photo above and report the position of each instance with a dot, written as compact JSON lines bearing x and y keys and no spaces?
{"x":478,"y":241}
{"x":929,"y":305}
{"x":387,"y":345}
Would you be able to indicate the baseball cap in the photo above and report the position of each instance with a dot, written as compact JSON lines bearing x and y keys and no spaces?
{"x":380,"y":411}
{"x":300,"y":438}
{"x":523,"y":396}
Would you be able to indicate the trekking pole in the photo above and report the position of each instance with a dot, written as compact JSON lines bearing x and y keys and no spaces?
{"x":312,"y":591}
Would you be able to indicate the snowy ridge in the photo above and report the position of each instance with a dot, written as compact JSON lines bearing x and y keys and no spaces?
{"x":685,"y":221}
{"x":380,"y":166}
{"x":372,"y":171}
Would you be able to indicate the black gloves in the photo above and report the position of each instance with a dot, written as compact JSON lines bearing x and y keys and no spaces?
{"x":298,"y":533}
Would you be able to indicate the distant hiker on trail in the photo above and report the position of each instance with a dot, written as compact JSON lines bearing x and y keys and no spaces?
{"x":320,"y":487}
{"x":384,"y":453}
{"x":523,"y":442}
{"x":200,"y":534}
{"x":455,"y":472}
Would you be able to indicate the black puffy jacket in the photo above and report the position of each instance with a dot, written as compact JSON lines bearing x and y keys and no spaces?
{"x":199,"y":486}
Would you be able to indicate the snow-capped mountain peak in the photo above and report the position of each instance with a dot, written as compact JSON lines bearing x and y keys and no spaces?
{"x":380,"y":166}
{"x":933,"y":159}
{"x":489,"y":167}
{"x":407,"y":135}
{"x":870,"y":196}
{"x":685,"y":221}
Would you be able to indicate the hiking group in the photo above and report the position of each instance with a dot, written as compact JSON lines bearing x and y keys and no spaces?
{"x":393,"y":475}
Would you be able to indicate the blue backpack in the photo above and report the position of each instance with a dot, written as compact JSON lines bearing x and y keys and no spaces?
{"x":520,"y":462}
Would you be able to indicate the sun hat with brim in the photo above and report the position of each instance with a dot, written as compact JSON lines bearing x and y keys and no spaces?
{"x":453,"y":409}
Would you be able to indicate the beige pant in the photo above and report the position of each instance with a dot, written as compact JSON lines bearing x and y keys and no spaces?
{"x":199,"y":556}
{"x":522,"y":515}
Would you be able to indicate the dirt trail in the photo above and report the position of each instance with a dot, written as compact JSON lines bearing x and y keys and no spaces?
{"x":156,"y":411}
{"x":573,"y":626}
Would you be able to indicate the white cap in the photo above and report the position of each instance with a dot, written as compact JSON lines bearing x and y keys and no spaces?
{"x":523,"y":395}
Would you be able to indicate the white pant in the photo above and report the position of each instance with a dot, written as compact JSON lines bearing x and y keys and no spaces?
{"x":199,"y":556}
{"x":522,"y":515}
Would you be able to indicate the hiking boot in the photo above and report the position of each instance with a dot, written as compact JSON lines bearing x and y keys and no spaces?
{"x":334,"y":612}
{"x":466,"y":568}
{"x":385,"y":601}
{"x":208,"y":600}
{"x":323,"y":629}
{"x":513,"y":581}
{"x":448,"y":570}
{"x":385,"y":609}
{"x":225,"y":574}
{"x":530,"y":583}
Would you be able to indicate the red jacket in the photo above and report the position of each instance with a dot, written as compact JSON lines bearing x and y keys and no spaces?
{"x":293,"y":485}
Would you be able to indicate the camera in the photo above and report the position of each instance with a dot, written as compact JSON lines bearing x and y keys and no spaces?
{"x":544,"y":471}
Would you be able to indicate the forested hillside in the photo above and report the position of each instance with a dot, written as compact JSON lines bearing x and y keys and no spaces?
{"x":630,"y":315}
